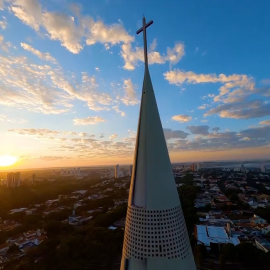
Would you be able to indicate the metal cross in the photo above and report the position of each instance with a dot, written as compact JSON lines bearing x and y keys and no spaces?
{"x":143,"y":29}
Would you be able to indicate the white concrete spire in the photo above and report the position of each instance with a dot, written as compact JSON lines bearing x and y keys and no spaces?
{"x":156,"y":237}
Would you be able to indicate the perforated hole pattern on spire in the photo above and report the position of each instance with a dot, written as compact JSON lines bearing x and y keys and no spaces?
{"x":156,"y":234}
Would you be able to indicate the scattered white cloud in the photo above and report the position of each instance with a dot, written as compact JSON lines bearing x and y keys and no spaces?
{"x":45,"y":56}
{"x":238,"y":98}
{"x":116,"y":108}
{"x":133,"y":56}
{"x":204,"y":106}
{"x":41,"y":132}
{"x":45,"y":88}
{"x":91,"y":120}
{"x":113,"y":136}
{"x":265,"y":122}
{"x":97,"y":69}
{"x":5,"y":118}
{"x":74,"y":30}
{"x":3,"y":21}
{"x":182,"y":118}
{"x":83,"y":134}
{"x":129,"y":97}
{"x":4,"y":45}
{"x":179,"y":77}
{"x":113,"y":34}
{"x":204,"y":121}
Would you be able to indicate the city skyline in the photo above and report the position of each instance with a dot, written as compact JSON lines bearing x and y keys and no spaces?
{"x":71,"y":81}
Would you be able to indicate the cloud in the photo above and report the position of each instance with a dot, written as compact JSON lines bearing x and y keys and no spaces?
{"x":200,"y":130}
{"x":45,"y":89}
{"x":97,"y":69}
{"x":116,"y":108}
{"x":202,"y":107}
{"x":129,"y":97}
{"x":238,"y":98}
{"x":74,"y":30}
{"x":265,"y":122}
{"x":133,"y":56}
{"x":241,"y":110}
{"x":182,"y":118}
{"x":4,"y":45}
{"x":12,"y":120}
{"x":3,"y":23}
{"x":256,"y":133}
{"x":249,"y":138}
{"x":91,"y":120}
{"x":45,"y":56}
{"x":113,"y":34}
{"x":52,"y":158}
{"x":83,"y":134}
{"x":41,"y":132}
{"x":174,"y":134}
{"x":113,"y":136}
{"x":215,"y":129}
{"x":179,"y":77}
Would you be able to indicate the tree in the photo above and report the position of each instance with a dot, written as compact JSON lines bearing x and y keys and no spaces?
{"x":233,"y":198}
{"x":13,"y":249}
{"x":230,"y":251}
{"x":211,"y":265}
{"x":222,"y":261}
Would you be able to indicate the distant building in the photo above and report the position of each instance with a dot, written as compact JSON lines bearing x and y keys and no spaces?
{"x":243,"y":169}
{"x":130,"y":170}
{"x":13,"y":179}
{"x":262,"y":244}
{"x":116,"y":171}
{"x":265,"y":168}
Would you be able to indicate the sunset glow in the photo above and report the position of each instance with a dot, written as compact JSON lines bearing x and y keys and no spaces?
{"x":7,"y":160}
{"x":71,"y":87}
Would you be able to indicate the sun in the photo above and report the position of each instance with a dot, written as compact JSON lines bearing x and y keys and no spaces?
{"x":7,"y":160}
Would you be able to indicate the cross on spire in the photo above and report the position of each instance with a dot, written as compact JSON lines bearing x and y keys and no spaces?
{"x":143,"y":29}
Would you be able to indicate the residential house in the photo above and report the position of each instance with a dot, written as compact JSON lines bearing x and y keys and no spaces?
{"x":257,"y":220}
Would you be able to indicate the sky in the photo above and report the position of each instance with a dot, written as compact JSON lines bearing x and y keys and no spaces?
{"x":71,"y":74}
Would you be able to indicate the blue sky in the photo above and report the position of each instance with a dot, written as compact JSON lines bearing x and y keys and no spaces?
{"x":71,"y":76}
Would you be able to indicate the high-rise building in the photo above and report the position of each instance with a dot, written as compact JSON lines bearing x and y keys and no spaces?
{"x":130,"y":170}
{"x":192,"y":167}
{"x":263,"y":169}
{"x":156,"y":236}
{"x":116,"y":171}
{"x":243,"y":169}
{"x":13,"y":179}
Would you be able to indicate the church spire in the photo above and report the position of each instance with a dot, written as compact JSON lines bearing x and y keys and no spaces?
{"x":156,"y":237}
